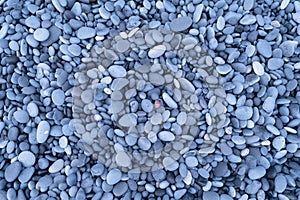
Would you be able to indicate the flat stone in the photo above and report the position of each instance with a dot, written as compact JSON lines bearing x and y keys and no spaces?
{"x":269,"y":104}
{"x":56,"y":166}
{"x":288,"y":48}
{"x":144,"y":143}
{"x":280,"y":183}
{"x":191,"y":161}
{"x":128,"y":120}
{"x":197,"y":13}
{"x":180,"y":24}
{"x":147,"y":105}
{"x":32,"y":109}
{"x":45,"y":181}
{"x":120,"y":189}
{"x":117,"y":71}
{"x":97,"y":169}
{"x":33,"y":22}
{"x":157,"y":51}
{"x":86,"y":33}
{"x":169,"y":101}
{"x":58,"y":97}
{"x":221,"y":169}
{"x":178,"y":194}
{"x":208,"y":195}
{"x":55,"y":33}
{"x":248,"y":4}
{"x":257,"y":173}
{"x":258,"y":68}
{"x":244,"y":112}
{"x":264,"y":48}
{"x":76,"y":9}
{"x":27,"y":158}
{"x":113,"y":176}
{"x":74,"y":49}
{"x":42,"y":131}
{"x":284,"y":4}
{"x":248,"y":20}
{"x":278,"y":142}
{"x":220,"y":23}
{"x":122,"y":46}
{"x":41,"y":34}
{"x":238,"y":140}
{"x":63,"y":142}
{"x":26,"y":174}
{"x":275,"y":63}
{"x":58,"y":6}
{"x":21,"y":116}
{"x":223,"y":69}
{"x":12,"y":171}
{"x":181,"y":118}
{"x":186,"y":85}
{"x":166,"y":136}
{"x":122,"y":159}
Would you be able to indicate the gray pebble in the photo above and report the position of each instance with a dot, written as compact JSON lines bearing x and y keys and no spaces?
{"x":278,"y":142}
{"x":128,"y":120}
{"x":42,"y":131}
{"x":56,"y":166}
{"x":147,"y":105}
{"x":208,"y":195}
{"x":264,"y":48}
{"x":275,"y":63}
{"x":45,"y":181}
{"x":244,"y":112}
{"x":280,"y":183}
{"x":288,"y":48}
{"x":248,"y":4}
{"x":12,"y":171}
{"x":21,"y":116}
{"x":74,"y":49}
{"x":169,"y":101}
{"x":157,"y":51}
{"x":166,"y":136}
{"x":26,"y":174}
{"x":144,"y":143}
{"x":4,"y":30}
{"x":221,"y":169}
{"x":120,"y":189}
{"x":269,"y":104}
{"x":58,"y":97}
{"x":41,"y":34}
{"x":113,"y":176}
{"x":117,"y":71}
{"x":85,"y":33}
{"x":32,"y":22}
{"x":191,"y":161}
{"x":180,"y":24}
{"x":32,"y":109}
{"x":248,"y":20}
{"x":178,"y":194}
{"x":197,"y":13}
{"x":258,"y":68}
{"x":27,"y":158}
{"x":257,"y":173}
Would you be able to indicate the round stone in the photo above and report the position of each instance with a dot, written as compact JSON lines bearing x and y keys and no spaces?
{"x":147,"y":105}
{"x":113,"y":176}
{"x":85,"y":33}
{"x":32,"y":109}
{"x":156,"y":119}
{"x":128,"y":120}
{"x":122,"y":46}
{"x":257,"y":173}
{"x":280,"y":183}
{"x":264,"y":48}
{"x":181,"y":118}
{"x":56,"y":166}
{"x":208,"y":195}
{"x":157,"y":51}
{"x":12,"y":171}
{"x":278,"y":142}
{"x":122,"y":159}
{"x":27,"y":158}
{"x":41,"y":34}
{"x":21,"y":116}
{"x":42,"y":132}
{"x":258,"y":68}
{"x":63,"y":142}
{"x":58,"y":97}
{"x":144,"y":143}
{"x":120,"y":189}
{"x":180,"y":24}
{"x":117,"y":71}
{"x":243,"y":112}
{"x":166,"y":136}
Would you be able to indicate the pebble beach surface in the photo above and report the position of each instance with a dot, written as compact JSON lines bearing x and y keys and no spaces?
{"x":68,"y":114}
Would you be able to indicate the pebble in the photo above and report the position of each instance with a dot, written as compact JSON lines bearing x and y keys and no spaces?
{"x":42,"y":132}
{"x":180,"y":24}
{"x":63,"y":142}
{"x":248,"y":4}
{"x":169,"y":101}
{"x":264,"y":48}
{"x":113,"y":176}
{"x":44,"y":182}
{"x":275,"y":63}
{"x":120,"y":189}
{"x":122,"y":159}
{"x":117,"y":71}
{"x":166,"y":136}
{"x":197,"y":13}
{"x":288,"y":48}
{"x":41,"y":34}
{"x":32,"y":22}
{"x":147,"y":105}
{"x":144,"y":143}
{"x":258,"y":68}
{"x":221,"y":169}
{"x":157,"y":51}
{"x":191,"y":161}
{"x":280,"y":183}
{"x":256,"y":173}
{"x":21,"y":116}
{"x":122,"y":46}
{"x":284,"y":4}
{"x":56,"y":166}
{"x":27,"y":158}
{"x":26,"y":174}
{"x":85,"y":33}
{"x":181,"y":118}
{"x":12,"y":171}
{"x":58,"y":97}
{"x":156,"y":119}
{"x":278,"y":142}
{"x":244,"y":112}
{"x":269,"y":104}
{"x":208,"y":195}
{"x":178,"y":194}
{"x":220,"y":23}
{"x":128,"y":120}
{"x":248,"y":20}
{"x":32,"y":109}
{"x":74,"y":49}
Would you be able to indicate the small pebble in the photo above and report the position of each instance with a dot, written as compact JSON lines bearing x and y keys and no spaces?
{"x":27,"y":158}
{"x":41,"y":34}
{"x":180,"y":24}
{"x":113,"y":176}
{"x":56,"y":166}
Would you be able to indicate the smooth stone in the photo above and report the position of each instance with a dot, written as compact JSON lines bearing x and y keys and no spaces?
{"x":258,"y":68}
{"x":288,"y":48}
{"x":44,"y":182}
{"x":191,"y":161}
{"x":284,"y":4}
{"x":244,"y":112}
{"x":56,"y":166}
{"x":169,"y":101}
{"x":264,"y":48}
{"x":180,"y":24}
{"x":117,"y":71}
{"x":253,"y":187}
{"x":273,"y":129}
{"x":223,"y":69}
{"x":178,"y":194}
{"x":58,"y":6}
{"x":156,"y":119}
{"x":21,"y":116}
{"x":280,"y":183}
{"x":42,"y":132}
{"x":156,"y":79}
{"x":63,"y":142}
{"x":166,"y":136}
{"x":221,"y":169}
{"x":278,"y":142}
{"x":32,"y":109}
{"x":113,"y":176}
{"x":238,"y":140}
{"x":181,"y":118}
{"x":122,"y":159}
{"x":128,"y":120}
{"x":256,"y":173}
{"x":76,"y":9}
{"x":116,"y":107}
{"x":248,"y":4}
{"x":150,"y":188}
{"x":220,"y":23}
{"x":157,"y":51}
{"x":144,"y":143}
{"x":27,"y":158}
{"x":58,"y":97}
{"x":41,"y":34}
{"x":74,"y":49}
{"x":186,"y":85}
{"x":197,"y":13}
{"x":55,"y":33}
{"x":248,"y":20}
{"x":56,"y":131}
{"x":269,"y":104}
{"x":122,"y":46}
{"x":97,"y":169}
{"x":170,"y":164}
{"x":275,"y":63}
{"x":12,"y":171}
{"x":120,"y":189}
{"x":208,"y":195}
{"x":26,"y":174}
{"x":147,"y":105}
{"x":4,"y":30}
{"x":85,"y":33}
{"x":33,"y":22}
